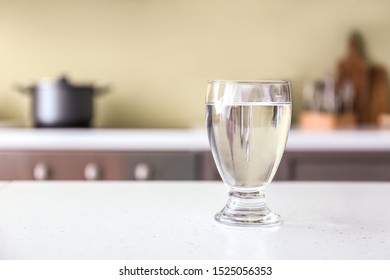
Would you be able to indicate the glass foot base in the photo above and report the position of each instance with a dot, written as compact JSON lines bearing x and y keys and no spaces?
{"x":259,"y":217}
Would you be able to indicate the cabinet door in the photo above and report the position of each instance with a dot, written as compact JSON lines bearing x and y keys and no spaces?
{"x":57,"y":165}
{"x":161,"y":166}
{"x":340,"y":166}
{"x":14,"y":166}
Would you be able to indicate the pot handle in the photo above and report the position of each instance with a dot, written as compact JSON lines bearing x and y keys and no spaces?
{"x":101,"y":90}
{"x":23,"y":89}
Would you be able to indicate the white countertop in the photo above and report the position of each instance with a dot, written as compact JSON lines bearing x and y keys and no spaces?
{"x":180,"y":140}
{"x":104,"y":139}
{"x":174,"y":220}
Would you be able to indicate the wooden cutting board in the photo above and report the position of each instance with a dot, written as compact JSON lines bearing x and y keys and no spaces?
{"x":369,"y":82}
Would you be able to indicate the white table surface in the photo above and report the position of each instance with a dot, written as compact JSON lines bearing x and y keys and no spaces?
{"x":174,"y":220}
{"x":180,"y":140}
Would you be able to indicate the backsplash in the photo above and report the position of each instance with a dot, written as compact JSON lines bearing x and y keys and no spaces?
{"x":158,"y":55}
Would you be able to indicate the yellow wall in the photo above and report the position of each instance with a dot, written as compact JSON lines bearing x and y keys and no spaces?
{"x":158,"y":54}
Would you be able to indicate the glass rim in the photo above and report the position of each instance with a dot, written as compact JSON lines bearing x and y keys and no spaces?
{"x":259,"y":82}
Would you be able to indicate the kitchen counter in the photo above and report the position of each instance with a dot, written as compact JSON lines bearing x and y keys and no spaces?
{"x":183,"y":154}
{"x":174,"y":220}
{"x":104,"y":139}
{"x":180,"y":140}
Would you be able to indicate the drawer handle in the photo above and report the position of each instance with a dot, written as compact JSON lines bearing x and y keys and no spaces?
{"x":142,"y":171}
{"x":92,"y":171}
{"x":42,"y":171}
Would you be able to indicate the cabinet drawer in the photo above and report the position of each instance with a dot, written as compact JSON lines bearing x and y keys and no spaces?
{"x":60,"y":166}
{"x":53,"y":165}
{"x":161,"y":166}
{"x":341,"y":166}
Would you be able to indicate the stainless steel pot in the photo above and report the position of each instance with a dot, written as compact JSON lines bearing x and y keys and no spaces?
{"x":57,"y":103}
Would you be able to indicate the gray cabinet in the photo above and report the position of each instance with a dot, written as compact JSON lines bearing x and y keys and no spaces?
{"x":184,"y":165}
{"x":98,"y":165}
{"x":337,"y":166}
{"x":327,"y":166}
{"x":161,"y":166}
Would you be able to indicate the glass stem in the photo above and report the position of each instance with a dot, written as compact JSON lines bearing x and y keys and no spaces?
{"x":241,"y":199}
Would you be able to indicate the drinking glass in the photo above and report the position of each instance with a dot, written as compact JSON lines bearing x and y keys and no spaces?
{"x":247,"y":125}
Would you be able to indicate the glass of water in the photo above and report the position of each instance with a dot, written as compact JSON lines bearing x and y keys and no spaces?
{"x":247,"y":125}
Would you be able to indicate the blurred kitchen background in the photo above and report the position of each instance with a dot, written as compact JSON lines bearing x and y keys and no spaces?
{"x":155,"y":58}
{"x":158,"y":55}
